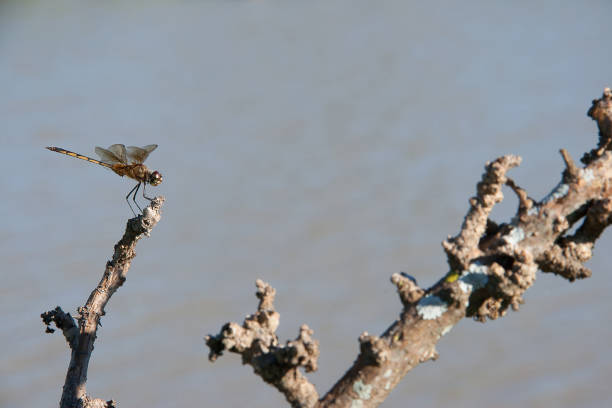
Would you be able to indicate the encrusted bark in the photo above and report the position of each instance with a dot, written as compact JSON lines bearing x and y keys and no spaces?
{"x":257,"y":343}
{"x":81,"y":338}
{"x":490,"y":268}
{"x":601,"y":112}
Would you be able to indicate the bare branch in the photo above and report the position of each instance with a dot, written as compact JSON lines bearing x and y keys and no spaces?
{"x":64,"y":322}
{"x":81,"y":339}
{"x":257,"y":343}
{"x":491,"y":267}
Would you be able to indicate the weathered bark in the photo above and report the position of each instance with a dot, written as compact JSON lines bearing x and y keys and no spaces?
{"x":258,"y":344}
{"x":81,"y":338}
{"x":490,"y":268}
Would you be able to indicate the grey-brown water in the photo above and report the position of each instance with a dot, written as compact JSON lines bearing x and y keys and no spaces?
{"x":320,"y":146}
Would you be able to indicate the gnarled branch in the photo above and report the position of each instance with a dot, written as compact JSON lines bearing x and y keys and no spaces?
{"x":257,"y":343}
{"x":491,"y":267}
{"x":81,"y":339}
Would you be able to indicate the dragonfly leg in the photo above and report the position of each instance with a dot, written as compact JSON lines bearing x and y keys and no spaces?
{"x":127,"y":198}
{"x":144,"y":185}
{"x":134,"y":197}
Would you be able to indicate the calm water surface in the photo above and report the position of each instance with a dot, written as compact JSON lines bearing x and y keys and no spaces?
{"x":320,"y":146}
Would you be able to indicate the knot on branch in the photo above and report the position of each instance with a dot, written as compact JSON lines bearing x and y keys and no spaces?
{"x":500,"y":286}
{"x":601,"y":112}
{"x":511,"y":283}
{"x":407,"y":288}
{"x":301,"y":352}
{"x":566,"y":259}
{"x":374,"y":350}
{"x":64,"y":322}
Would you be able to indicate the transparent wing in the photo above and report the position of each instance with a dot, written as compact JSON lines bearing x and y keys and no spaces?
{"x":139,"y":154}
{"x":119,"y":151}
{"x":109,"y":156}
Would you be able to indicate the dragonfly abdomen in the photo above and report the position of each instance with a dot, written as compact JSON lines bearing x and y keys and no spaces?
{"x":78,"y":156}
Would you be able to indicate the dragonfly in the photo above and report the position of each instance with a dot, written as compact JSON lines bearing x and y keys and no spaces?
{"x":124,"y":161}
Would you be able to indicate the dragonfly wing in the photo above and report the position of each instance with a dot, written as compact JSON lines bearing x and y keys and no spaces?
{"x":120,"y":152}
{"x":107,"y":156}
{"x":139,"y":154}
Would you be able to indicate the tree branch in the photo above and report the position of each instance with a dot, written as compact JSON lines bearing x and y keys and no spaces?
{"x":491,"y":266}
{"x":81,"y":339}
{"x":257,"y":343}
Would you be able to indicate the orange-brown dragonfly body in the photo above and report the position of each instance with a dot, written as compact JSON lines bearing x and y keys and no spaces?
{"x":125,"y":162}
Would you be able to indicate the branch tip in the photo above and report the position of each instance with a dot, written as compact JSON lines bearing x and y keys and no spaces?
{"x":265,"y":293}
{"x":64,"y":322}
{"x":407,"y":288}
{"x":601,"y":112}
{"x":373,"y":349}
{"x":525,"y":203}
{"x":571,"y":172}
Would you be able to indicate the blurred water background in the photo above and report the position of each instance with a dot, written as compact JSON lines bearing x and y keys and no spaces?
{"x":320,"y":146}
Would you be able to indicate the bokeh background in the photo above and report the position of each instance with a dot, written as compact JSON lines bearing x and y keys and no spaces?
{"x":320,"y":146}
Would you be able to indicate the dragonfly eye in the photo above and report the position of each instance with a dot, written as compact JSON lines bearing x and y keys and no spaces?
{"x":155,"y":178}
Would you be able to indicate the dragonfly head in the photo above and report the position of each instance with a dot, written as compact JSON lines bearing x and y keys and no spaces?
{"x":155,"y":178}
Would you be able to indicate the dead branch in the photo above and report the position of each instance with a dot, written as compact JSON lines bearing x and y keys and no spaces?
{"x":257,"y":343}
{"x":81,"y":339}
{"x":490,"y":268}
